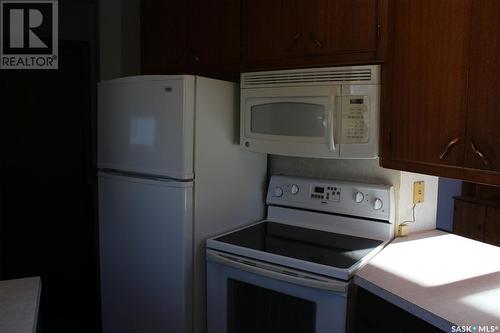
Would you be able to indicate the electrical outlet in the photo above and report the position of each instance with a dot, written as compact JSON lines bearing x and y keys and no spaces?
{"x":418,"y":192}
{"x":403,"y":230}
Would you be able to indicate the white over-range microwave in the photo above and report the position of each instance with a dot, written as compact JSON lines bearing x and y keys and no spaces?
{"x":321,"y":112}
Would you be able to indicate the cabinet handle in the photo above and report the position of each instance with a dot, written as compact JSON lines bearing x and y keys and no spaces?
{"x":450,"y":144}
{"x":195,"y":56}
{"x":315,"y":40}
{"x":294,"y":41}
{"x":478,"y":153}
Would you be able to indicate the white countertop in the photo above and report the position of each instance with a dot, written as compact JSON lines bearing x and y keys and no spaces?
{"x":19,"y":300}
{"x":441,"y":278}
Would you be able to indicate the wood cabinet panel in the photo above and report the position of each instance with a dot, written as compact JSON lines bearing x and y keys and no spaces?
{"x":309,"y":33}
{"x":468,"y":219}
{"x":163,"y":36}
{"x":214,"y":33}
{"x":492,"y":226}
{"x":483,"y":117}
{"x":440,"y":87}
{"x":190,"y":36}
{"x":221,"y":37}
{"x":340,"y":26}
{"x":273,"y":29}
{"x":427,"y":81}
{"x":477,"y":218}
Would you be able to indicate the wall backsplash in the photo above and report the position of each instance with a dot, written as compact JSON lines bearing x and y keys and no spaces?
{"x":367,"y":171}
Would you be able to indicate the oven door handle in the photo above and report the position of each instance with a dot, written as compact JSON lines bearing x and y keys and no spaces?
{"x":328,"y":284}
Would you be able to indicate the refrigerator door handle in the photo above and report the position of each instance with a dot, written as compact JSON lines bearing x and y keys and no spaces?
{"x":142,"y":176}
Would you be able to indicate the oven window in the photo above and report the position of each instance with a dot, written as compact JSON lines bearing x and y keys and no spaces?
{"x":254,"y":309}
{"x":288,"y":119}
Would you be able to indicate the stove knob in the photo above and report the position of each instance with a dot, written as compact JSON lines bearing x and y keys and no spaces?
{"x":377,"y":204}
{"x":278,"y":191}
{"x":294,"y":189}
{"x":358,"y":197}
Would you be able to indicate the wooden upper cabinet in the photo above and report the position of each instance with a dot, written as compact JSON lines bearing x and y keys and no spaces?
{"x":222,"y":37}
{"x":440,"y":89}
{"x":340,"y":26}
{"x":424,"y":86}
{"x":273,"y":29}
{"x":483,"y":117}
{"x":214,"y":33}
{"x":190,"y":36}
{"x":309,"y":33}
{"x":163,"y":36}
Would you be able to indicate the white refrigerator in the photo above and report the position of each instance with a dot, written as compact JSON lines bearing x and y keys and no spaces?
{"x":171,"y":174}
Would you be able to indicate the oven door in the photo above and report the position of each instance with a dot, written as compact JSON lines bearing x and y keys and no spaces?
{"x":245,"y":295}
{"x":297,"y":121}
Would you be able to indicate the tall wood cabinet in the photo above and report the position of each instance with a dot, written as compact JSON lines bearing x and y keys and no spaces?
{"x":441,"y":85}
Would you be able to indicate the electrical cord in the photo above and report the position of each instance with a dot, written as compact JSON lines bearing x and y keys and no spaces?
{"x":413,"y":215}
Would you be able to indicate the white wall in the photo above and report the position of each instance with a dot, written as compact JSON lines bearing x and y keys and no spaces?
{"x":367,"y":171}
{"x":448,"y":188}
{"x":425,"y":213}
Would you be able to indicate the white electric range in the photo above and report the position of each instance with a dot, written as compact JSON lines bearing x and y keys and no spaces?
{"x":292,"y":271}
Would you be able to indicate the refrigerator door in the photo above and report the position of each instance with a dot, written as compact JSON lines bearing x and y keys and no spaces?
{"x":145,"y":254}
{"x":145,"y":125}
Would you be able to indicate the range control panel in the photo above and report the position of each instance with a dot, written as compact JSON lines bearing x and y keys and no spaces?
{"x":357,"y":199}
{"x":328,"y":193}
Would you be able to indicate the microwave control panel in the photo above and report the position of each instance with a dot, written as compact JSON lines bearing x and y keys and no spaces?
{"x":355,"y":119}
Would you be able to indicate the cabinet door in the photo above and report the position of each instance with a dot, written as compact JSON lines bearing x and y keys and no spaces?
{"x":163,"y":36}
{"x":424,"y":115}
{"x":483,"y":113}
{"x":492,"y":226}
{"x":340,"y":26}
{"x":468,"y":219}
{"x":214,"y":33}
{"x":273,"y":29}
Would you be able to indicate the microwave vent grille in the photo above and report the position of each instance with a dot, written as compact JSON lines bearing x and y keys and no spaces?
{"x":321,"y":76}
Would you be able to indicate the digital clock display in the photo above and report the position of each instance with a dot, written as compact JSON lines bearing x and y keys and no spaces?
{"x":319,"y":189}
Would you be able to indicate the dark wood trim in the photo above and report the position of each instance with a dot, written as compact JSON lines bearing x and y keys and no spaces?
{"x":489,"y":203}
{"x":345,"y":59}
{"x":383,"y":21}
{"x":386,"y":86}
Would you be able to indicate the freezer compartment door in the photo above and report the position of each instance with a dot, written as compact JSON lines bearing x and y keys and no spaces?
{"x":145,"y":254}
{"x":145,"y":125}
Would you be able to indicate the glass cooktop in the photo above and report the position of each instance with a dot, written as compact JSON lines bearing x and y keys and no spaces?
{"x":321,"y":247}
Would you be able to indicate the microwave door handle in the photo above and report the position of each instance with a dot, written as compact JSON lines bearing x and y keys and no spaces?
{"x":330,"y":129}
